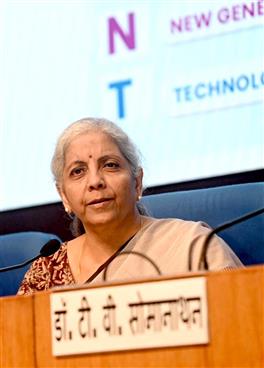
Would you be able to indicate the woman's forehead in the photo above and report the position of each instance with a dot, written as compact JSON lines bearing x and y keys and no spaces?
{"x":92,"y":143}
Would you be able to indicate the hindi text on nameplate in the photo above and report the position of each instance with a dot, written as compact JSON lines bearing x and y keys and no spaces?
{"x":134,"y":316}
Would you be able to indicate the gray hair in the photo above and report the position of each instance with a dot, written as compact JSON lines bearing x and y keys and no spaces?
{"x":84,"y":126}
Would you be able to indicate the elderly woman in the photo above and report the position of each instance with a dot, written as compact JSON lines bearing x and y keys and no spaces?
{"x":99,"y":178}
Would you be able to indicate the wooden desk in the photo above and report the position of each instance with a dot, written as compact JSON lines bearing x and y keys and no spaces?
{"x":236,"y":324}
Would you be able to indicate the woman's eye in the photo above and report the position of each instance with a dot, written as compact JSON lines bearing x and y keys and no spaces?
{"x":111,"y":165}
{"x":77,"y":171}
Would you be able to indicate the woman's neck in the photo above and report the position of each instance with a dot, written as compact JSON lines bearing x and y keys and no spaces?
{"x":108,"y":238}
{"x":89,"y":251}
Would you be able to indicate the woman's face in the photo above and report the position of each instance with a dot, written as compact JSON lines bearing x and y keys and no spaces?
{"x":97,"y":182}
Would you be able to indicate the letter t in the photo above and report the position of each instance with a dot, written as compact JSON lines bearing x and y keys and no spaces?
{"x":120,"y":95}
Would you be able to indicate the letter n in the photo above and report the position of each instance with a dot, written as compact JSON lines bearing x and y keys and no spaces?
{"x":128,"y":37}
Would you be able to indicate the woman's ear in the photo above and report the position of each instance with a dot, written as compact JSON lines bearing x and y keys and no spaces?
{"x":63,"y":198}
{"x":139,"y":180}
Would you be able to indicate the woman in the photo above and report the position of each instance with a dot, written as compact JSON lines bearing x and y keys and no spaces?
{"x":99,"y":178}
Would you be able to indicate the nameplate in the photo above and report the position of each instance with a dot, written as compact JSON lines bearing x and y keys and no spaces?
{"x":133,"y":316}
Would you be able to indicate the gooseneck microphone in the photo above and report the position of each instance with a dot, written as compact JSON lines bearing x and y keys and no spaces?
{"x":203,"y":263}
{"x":127,"y":252}
{"x":47,"y":250}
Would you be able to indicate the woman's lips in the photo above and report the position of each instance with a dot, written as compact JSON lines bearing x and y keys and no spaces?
{"x":99,"y":201}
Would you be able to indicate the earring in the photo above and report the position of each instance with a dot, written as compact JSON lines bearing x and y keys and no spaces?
{"x":69,"y":213}
{"x":139,"y":197}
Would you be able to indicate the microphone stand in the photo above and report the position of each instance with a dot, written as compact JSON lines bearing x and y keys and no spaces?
{"x":203,"y":263}
{"x":48,"y":249}
{"x":9,"y":268}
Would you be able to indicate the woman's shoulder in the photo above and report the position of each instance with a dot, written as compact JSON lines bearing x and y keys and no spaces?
{"x":174,"y":224}
{"x":58,"y":255}
{"x":174,"y":237}
{"x":58,"y":262}
{"x":47,"y":272}
{"x":49,"y":261}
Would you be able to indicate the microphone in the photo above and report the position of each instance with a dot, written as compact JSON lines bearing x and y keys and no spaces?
{"x":47,"y":250}
{"x":203,"y":263}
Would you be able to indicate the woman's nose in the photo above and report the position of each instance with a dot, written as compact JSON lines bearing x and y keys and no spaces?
{"x":95,"y":180}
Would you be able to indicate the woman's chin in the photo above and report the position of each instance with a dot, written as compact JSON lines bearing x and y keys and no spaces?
{"x":103,"y":219}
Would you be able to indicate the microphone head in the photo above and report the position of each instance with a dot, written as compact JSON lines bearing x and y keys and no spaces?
{"x":50,"y":248}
